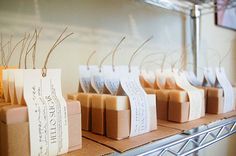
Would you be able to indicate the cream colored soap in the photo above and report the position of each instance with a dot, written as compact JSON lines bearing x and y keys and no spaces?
{"x":179,"y":96}
{"x":117,"y":103}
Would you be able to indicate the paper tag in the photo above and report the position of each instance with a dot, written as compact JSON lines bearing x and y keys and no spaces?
{"x":98,"y":80}
{"x":138,"y":101}
{"x":111,"y":79}
{"x":19,"y":85}
{"x":196,"y":96}
{"x":85,"y":78}
{"x":48,"y":120}
{"x":210,"y":76}
{"x":160,"y":80}
{"x":192,"y":78}
{"x":12,"y":90}
{"x":227,"y":88}
{"x":148,"y":78}
{"x":5,"y":81}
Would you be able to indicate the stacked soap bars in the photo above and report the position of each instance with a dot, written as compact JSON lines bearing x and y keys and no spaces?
{"x":14,"y":129}
{"x":110,"y":115}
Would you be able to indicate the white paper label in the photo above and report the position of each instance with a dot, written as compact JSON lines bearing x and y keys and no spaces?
{"x":111,"y":79}
{"x":210,"y":77}
{"x":196,"y":96}
{"x":227,"y":88}
{"x":47,"y":111}
{"x":192,"y":78}
{"x":98,"y":80}
{"x":160,"y":79}
{"x":85,"y":78}
{"x":138,"y":101}
{"x":5,"y":81}
{"x":19,"y":85}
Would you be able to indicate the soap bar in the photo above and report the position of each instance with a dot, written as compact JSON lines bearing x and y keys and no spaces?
{"x":73,"y":96}
{"x":150,"y":90}
{"x":117,"y":117}
{"x":86,"y":110}
{"x":162,"y":110}
{"x":162,"y":95}
{"x":178,"y":112}
{"x":15,"y":139}
{"x":215,"y":92}
{"x":178,"y":96}
{"x":215,"y":105}
{"x":98,"y":113}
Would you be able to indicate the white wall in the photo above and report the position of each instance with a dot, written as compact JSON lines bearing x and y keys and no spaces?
{"x":99,"y":25}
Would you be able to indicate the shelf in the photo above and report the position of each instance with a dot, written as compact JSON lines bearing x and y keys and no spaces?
{"x":186,"y":6}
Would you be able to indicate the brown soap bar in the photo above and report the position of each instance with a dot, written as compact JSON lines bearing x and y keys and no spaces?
{"x":14,"y":130}
{"x":162,"y":95}
{"x":215,"y":92}
{"x":86,"y":110}
{"x":178,"y":112}
{"x":162,"y":110}
{"x":215,"y":105}
{"x":117,"y":117}
{"x":99,"y":114}
{"x":178,"y":96}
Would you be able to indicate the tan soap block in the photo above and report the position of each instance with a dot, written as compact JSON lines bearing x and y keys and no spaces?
{"x":14,"y":131}
{"x":150,"y":90}
{"x":117,"y":117}
{"x":178,"y":112}
{"x":178,"y":96}
{"x":215,"y":105}
{"x":215,"y":92}
{"x":99,"y":114}
{"x":73,"y":96}
{"x":86,"y":110}
{"x":162,"y":95}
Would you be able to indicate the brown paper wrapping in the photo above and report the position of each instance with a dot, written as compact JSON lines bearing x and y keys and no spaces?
{"x":14,"y":129}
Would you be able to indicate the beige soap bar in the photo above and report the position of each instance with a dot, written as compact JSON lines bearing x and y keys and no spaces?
{"x":179,"y":96}
{"x":98,"y":113}
{"x":73,"y":96}
{"x":162,"y":95}
{"x":178,"y":112}
{"x":215,"y":92}
{"x":215,"y":105}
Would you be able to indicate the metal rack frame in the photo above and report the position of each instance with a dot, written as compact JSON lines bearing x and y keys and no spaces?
{"x":195,"y":9}
{"x":189,"y":142}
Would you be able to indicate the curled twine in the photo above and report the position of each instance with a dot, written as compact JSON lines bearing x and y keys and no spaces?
{"x":28,"y":49}
{"x":57,"y":42}
{"x":35,"y":45}
{"x":89,"y":58}
{"x":136,"y":51}
{"x":26,"y":38}
{"x":113,"y":56}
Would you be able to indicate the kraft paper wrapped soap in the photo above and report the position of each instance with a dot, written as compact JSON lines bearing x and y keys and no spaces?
{"x":86,"y":110}
{"x":15,"y":139}
{"x":118,"y":116}
{"x":215,"y":100}
{"x":99,"y":114}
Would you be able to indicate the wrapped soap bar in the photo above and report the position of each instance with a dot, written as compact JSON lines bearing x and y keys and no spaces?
{"x":118,"y":116}
{"x":178,"y":112}
{"x":86,"y":110}
{"x":99,"y":114}
{"x":162,"y":103}
{"x":179,"y":96}
{"x":14,"y":125}
{"x":215,"y":92}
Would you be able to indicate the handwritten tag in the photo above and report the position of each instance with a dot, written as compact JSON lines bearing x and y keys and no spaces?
{"x":48,"y":120}
{"x":85,"y":78}
{"x":111,"y":79}
{"x":191,"y":77}
{"x":210,"y":76}
{"x":222,"y":81}
{"x":138,"y":101}
{"x":98,"y":80}
{"x":196,"y":96}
